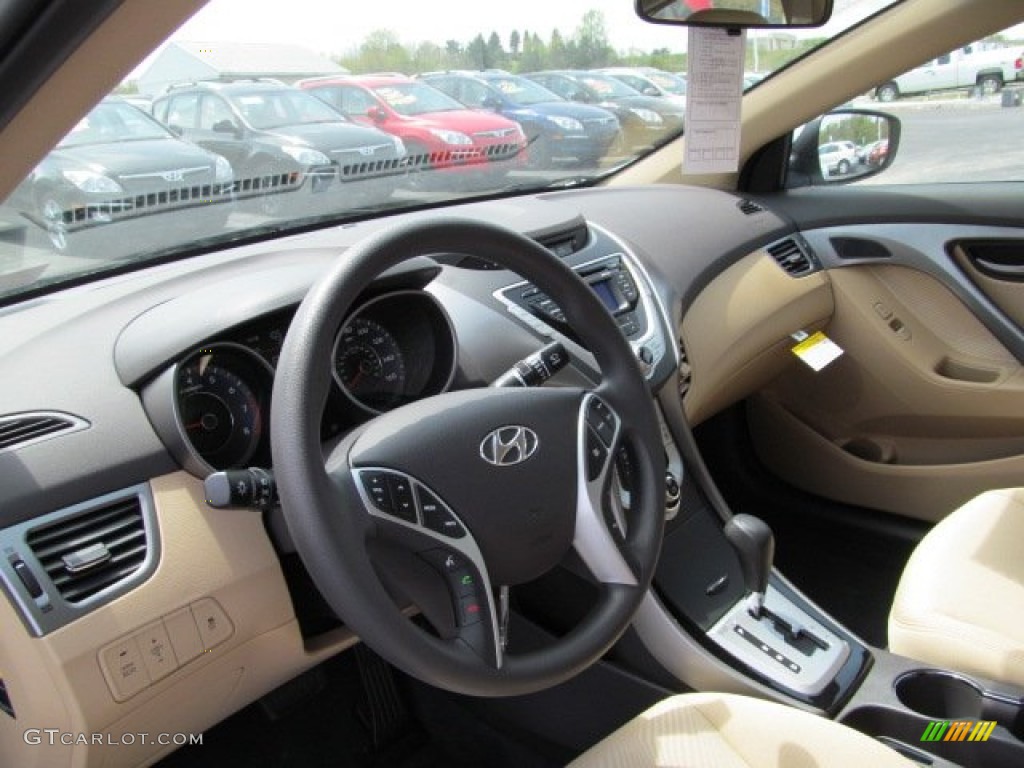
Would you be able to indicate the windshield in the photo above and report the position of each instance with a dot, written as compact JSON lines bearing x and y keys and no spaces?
{"x":275,"y":109}
{"x":607,"y":87}
{"x":257,"y":155}
{"x":416,"y":98}
{"x":668,"y":83}
{"x":110,"y":123}
{"x":522,"y":91}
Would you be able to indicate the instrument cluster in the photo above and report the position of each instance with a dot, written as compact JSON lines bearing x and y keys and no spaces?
{"x":392,"y":349}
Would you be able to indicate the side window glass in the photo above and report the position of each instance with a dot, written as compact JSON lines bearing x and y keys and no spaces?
{"x":474,"y":94}
{"x":183,"y":110}
{"x":356,"y":102}
{"x":215,"y":115}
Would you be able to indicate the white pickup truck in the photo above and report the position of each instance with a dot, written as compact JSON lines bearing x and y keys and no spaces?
{"x":987,"y":68}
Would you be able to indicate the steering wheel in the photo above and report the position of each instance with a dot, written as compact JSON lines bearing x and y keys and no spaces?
{"x":447,"y":500}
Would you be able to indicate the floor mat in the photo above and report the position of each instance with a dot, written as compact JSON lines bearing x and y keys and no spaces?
{"x":845,"y":558}
{"x":334,"y":727}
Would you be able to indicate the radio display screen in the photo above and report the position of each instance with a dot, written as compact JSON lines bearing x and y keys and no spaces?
{"x":603,"y":289}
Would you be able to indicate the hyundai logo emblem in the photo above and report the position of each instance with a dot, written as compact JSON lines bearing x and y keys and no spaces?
{"x":507,"y":446}
{"x":367,"y":151}
{"x":173,"y":176}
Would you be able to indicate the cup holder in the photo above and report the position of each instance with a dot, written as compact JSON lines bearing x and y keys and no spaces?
{"x":948,"y":696}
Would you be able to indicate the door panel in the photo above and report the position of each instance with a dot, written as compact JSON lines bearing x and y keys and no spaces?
{"x":996,"y":268}
{"x":925,"y":408}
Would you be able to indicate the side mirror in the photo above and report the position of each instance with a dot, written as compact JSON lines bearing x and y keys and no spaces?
{"x":177,"y":130}
{"x":650,"y":90}
{"x":376,"y":114}
{"x":226,"y":126}
{"x":580,"y":97}
{"x":490,"y":102}
{"x":843,"y":146}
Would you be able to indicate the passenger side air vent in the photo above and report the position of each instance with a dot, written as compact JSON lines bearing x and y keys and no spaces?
{"x":749,"y":207}
{"x":21,"y":429}
{"x":792,"y":256}
{"x":92,"y":551}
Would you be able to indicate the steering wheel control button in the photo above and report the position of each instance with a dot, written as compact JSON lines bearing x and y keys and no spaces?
{"x":124,"y":668}
{"x":402,"y":504}
{"x":214,"y":625}
{"x":471,"y":610}
{"x":436,"y":516}
{"x":376,"y":486}
{"x":597,"y":454}
{"x":157,"y":653}
{"x":601,"y":420}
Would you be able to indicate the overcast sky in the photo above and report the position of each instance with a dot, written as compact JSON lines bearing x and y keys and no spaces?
{"x":338,"y":27}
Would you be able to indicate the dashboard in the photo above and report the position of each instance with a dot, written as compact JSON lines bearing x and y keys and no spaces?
{"x":174,"y":370}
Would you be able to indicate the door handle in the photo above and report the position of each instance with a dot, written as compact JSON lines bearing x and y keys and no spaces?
{"x":1000,"y":269}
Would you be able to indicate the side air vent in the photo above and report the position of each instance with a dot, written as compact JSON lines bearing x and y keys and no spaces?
{"x":21,"y":429}
{"x":90,"y":552}
{"x":685,"y":371}
{"x":749,"y":207}
{"x":792,"y":256}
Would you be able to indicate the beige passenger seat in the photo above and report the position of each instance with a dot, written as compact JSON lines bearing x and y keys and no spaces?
{"x":960,"y":600}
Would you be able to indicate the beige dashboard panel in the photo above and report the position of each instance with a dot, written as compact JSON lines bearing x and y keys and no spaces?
{"x":57,"y":682}
{"x":737,"y":332}
{"x":924,"y":410}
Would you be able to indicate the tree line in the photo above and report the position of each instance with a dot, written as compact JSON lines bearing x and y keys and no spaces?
{"x":524,"y":51}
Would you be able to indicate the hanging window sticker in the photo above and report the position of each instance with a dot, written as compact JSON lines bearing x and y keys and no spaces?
{"x":714,"y":89}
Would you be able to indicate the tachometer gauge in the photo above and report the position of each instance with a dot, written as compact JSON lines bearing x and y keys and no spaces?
{"x":369,"y":366}
{"x":222,"y":398}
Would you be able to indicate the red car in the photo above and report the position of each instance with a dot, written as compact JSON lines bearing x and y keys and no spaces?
{"x":439,"y":132}
{"x":878,"y":152}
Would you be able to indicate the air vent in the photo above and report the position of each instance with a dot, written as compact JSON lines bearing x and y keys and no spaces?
{"x":566,"y":243}
{"x":685,"y":371}
{"x":19,"y":430}
{"x":87,"y":553}
{"x":792,"y":257}
{"x":749,"y":207}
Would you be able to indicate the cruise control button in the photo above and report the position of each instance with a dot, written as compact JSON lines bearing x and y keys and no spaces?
{"x":436,"y":515}
{"x":402,"y":504}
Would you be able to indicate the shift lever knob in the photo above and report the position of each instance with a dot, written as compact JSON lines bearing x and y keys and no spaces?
{"x":753,"y":541}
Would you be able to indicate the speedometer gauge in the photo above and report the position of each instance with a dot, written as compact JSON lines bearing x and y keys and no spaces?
{"x":369,"y":366}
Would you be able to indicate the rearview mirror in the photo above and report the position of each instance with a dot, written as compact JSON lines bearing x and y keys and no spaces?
{"x":736,"y":13}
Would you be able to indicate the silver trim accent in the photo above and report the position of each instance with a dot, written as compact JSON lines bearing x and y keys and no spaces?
{"x":923,"y":247}
{"x":509,"y":445}
{"x":178,"y":174}
{"x":592,"y":539}
{"x":74,"y":424}
{"x":465,"y":546}
{"x":815,"y":671}
{"x":658,"y":326}
{"x":50,"y":611}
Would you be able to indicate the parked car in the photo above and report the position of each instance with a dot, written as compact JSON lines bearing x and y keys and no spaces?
{"x":556,"y":129}
{"x":877,"y":152}
{"x":837,"y":157}
{"x":438,"y":132}
{"x":119,"y":163}
{"x":985,"y":67}
{"x":645,"y":120}
{"x":280,"y":139}
{"x":651,"y":82}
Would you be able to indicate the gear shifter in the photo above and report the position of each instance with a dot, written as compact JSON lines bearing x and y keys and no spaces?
{"x":753,"y":541}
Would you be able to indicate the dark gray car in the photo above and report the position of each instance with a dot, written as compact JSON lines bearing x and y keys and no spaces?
{"x":280,"y":139}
